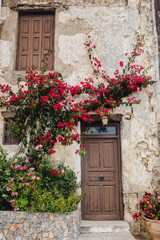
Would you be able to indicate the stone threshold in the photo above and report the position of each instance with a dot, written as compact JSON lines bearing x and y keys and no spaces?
{"x":107,"y":236}
{"x":104,"y":226}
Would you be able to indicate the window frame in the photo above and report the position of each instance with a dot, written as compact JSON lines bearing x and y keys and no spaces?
{"x":11,"y":140}
{"x":30,"y":13}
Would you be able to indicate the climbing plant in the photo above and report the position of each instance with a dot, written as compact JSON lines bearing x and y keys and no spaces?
{"x":47,"y":109}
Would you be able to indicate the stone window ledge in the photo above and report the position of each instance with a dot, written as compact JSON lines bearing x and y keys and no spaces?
{"x":22,"y":75}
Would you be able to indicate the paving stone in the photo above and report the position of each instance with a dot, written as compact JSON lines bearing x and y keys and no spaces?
{"x":1,"y":236}
{"x":107,"y":236}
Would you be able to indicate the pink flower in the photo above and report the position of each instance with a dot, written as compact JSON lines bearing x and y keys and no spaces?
{"x":33,"y":177}
{"x":24,"y":167}
{"x":16,"y":160}
{"x":40,"y":146}
{"x":36,"y":148}
{"x":26,"y":184}
{"x":38,"y":178}
{"x":11,"y":200}
{"x":16,"y":209}
{"x":62,"y":171}
{"x":32,"y":168}
{"x":14,"y":193}
{"x":27,"y":160}
{"x":8,"y":189}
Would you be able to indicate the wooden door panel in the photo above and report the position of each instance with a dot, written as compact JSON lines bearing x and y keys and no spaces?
{"x":36,"y":44}
{"x":47,"y":25}
{"x":102,"y":198}
{"x":47,"y":43}
{"x":108,"y":150}
{"x":37,"y":22}
{"x":108,"y":199}
{"x":35,"y":60}
{"x":25,"y":44}
{"x":93,"y":199}
{"x":93,"y":155}
{"x":25,"y":25}
{"x":24,"y":62}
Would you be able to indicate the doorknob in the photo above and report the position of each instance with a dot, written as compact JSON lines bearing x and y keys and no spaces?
{"x":101,"y":177}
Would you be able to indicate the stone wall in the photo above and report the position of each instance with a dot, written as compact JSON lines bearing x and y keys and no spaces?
{"x":31,"y":226}
{"x":112,"y":24}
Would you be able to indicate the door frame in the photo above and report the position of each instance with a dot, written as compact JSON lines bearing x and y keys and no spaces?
{"x":116,"y":123}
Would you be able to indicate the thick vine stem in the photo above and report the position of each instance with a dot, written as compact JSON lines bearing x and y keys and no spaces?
{"x":21,"y":143}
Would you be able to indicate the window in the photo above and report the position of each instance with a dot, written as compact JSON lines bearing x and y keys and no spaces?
{"x":36,"y":38}
{"x":8,"y":123}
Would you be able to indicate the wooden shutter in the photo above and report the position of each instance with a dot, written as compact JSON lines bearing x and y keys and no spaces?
{"x":24,"y":43}
{"x":36,"y":41}
{"x":36,"y":37}
{"x":48,"y":39}
{"x":8,"y":138}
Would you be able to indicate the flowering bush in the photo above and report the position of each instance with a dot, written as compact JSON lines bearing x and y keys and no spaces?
{"x":29,"y":180}
{"x":21,"y":183}
{"x":149,"y":206}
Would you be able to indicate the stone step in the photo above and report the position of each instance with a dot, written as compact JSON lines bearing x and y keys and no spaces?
{"x":107,"y":236}
{"x":104,"y":227}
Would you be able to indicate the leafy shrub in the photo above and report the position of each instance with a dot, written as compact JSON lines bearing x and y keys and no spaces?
{"x":54,"y":202}
{"x":4,"y":175}
{"x":65,"y":181}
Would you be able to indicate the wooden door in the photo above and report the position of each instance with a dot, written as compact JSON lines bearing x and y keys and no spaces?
{"x":101,"y":175}
{"x":36,"y":38}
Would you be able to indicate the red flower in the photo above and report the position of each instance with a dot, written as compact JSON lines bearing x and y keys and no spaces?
{"x":60,"y":139}
{"x":54,"y":172}
{"x":51,"y":151}
{"x":60,"y":124}
{"x":121,"y":64}
{"x":74,"y":137}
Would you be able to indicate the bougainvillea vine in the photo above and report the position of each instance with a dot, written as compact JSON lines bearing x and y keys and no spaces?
{"x":48,"y":102}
